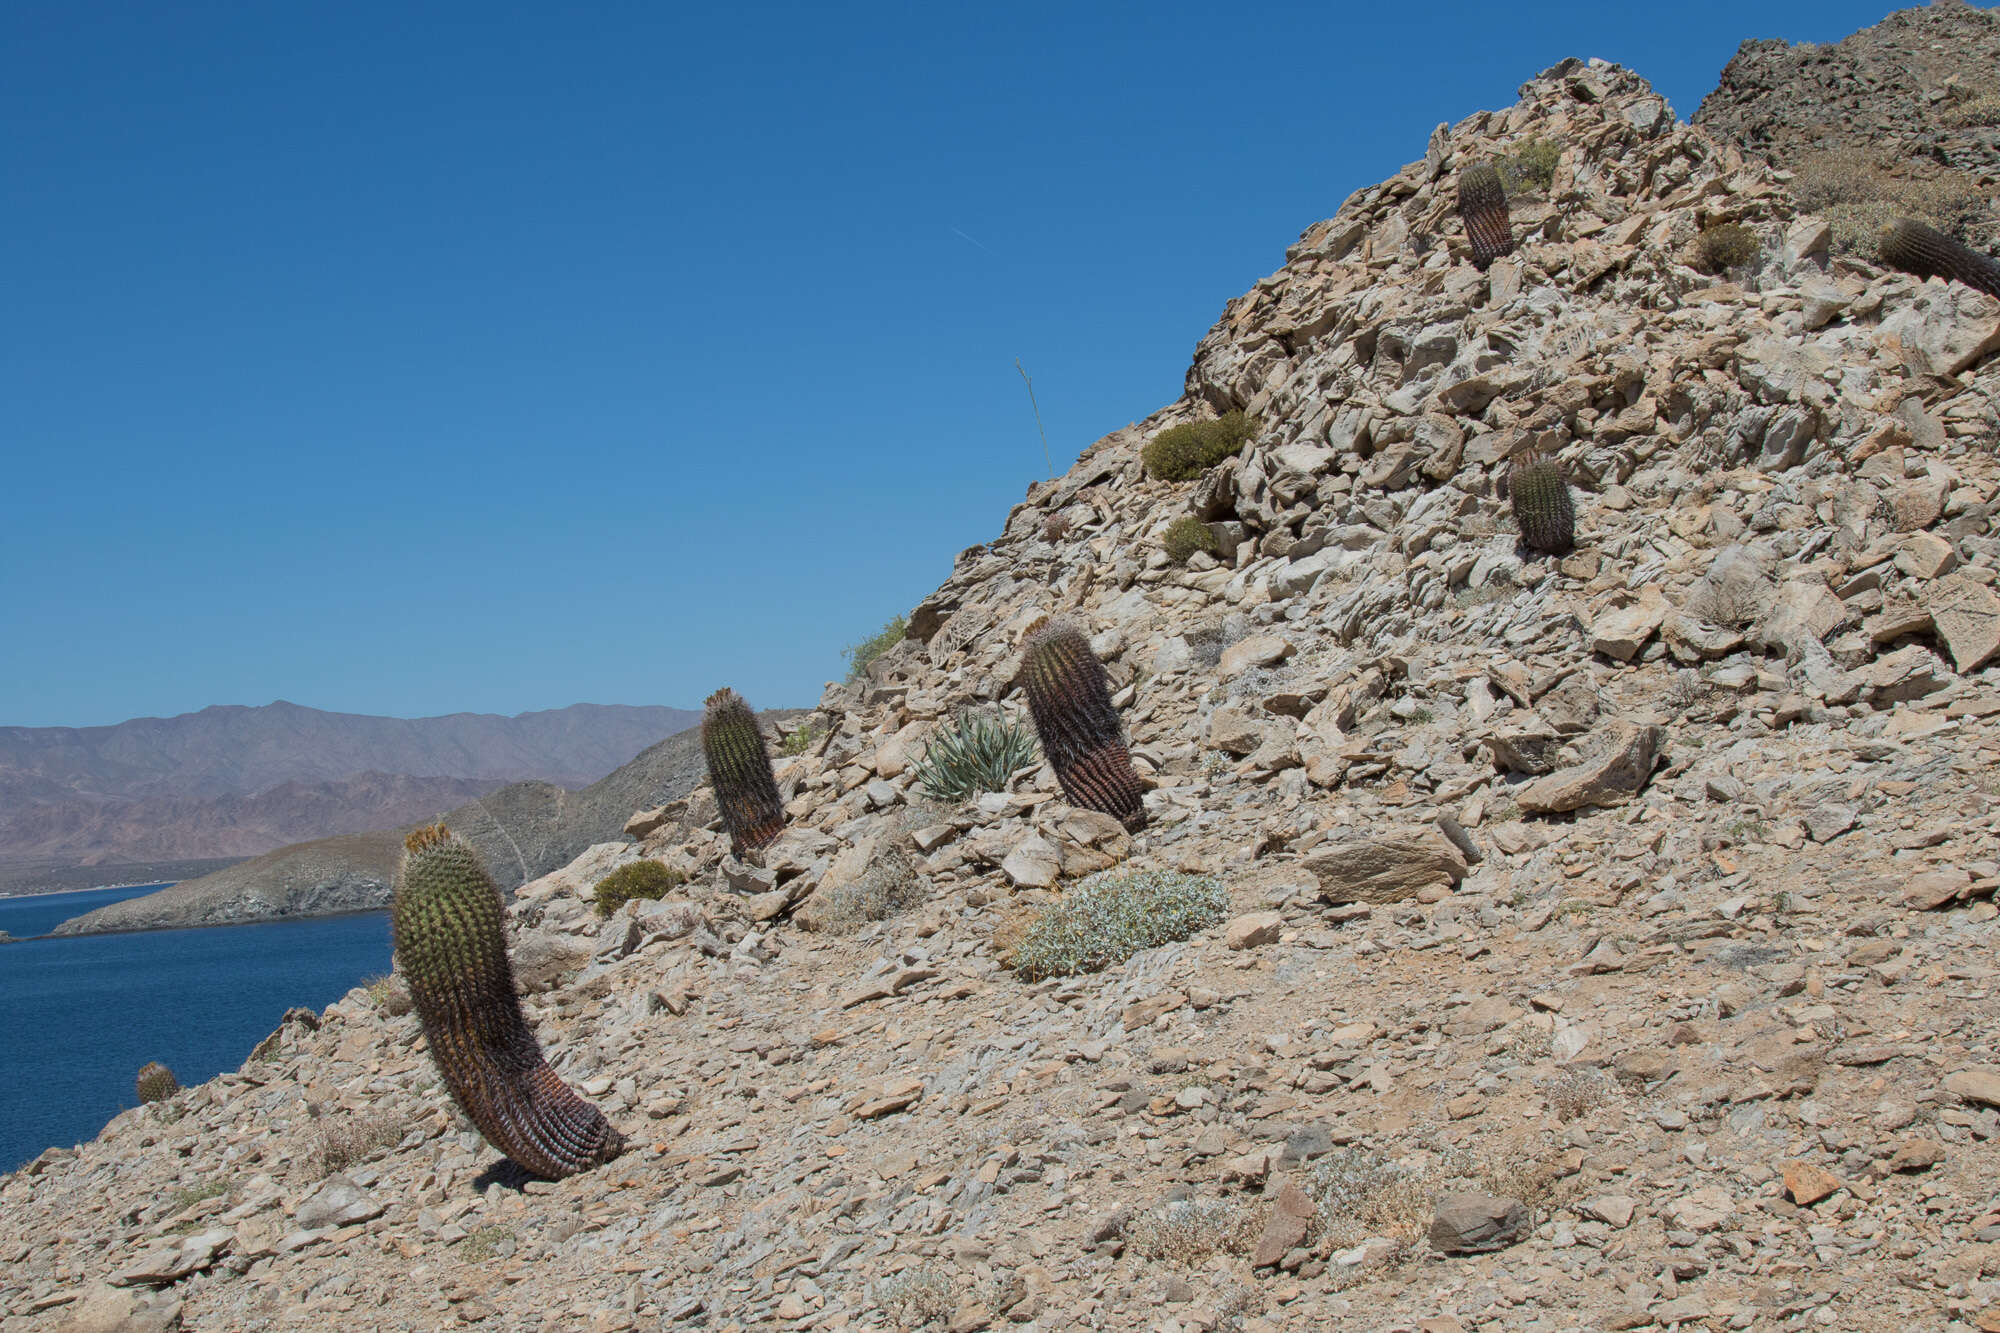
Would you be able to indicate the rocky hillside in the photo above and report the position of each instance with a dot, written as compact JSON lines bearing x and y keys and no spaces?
{"x":1901,"y":118}
{"x":235,"y":781}
{"x":1610,"y":939}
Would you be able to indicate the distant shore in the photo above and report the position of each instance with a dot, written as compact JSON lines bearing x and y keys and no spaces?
{"x":35,"y":879}
{"x":95,"y":888}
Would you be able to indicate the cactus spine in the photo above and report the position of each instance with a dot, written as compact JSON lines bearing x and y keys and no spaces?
{"x":452,"y":946}
{"x":1482,"y":203}
{"x":1914,"y":248}
{"x":1071,"y":703}
{"x":740,"y":769}
{"x":156,"y":1082}
{"x":1539,"y":493}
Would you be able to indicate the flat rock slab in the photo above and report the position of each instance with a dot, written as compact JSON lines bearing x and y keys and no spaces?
{"x":1286,"y":1228}
{"x":1468,"y":1222}
{"x":174,"y":1259}
{"x":1975,"y":1085}
{"x":1967,"y":617}
{"x":1388,"y":869}
{"x":1627,"y":753}
{"x":1259,"y":650}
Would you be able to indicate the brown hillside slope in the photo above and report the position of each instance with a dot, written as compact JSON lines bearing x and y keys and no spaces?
{"x":1901,"y":119}
{"x":1649,"y":889}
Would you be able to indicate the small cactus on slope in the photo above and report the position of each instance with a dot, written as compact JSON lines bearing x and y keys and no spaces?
{"x":740,"y":769}
{"x":1071,"y":703}
{"x":156,"y":1082}
{"x":1909,"y":245}
{"x":1539,"y":493}
{"x":452,"y":944}
{"x":1482,"y":203}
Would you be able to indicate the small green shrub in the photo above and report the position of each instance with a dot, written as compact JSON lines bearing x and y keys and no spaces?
{"x":799,"y":740}
{"x":1182,"y":453}
{"x":1724,"y":246}
{"x":1185,"y":536}
{"x":1111,"y":916}
{"x":187,"y":1196}
{"x":859,"y":655}
{"x":1533,"y":166}
{"x":640,"y":879}
{"x":977,"y":753}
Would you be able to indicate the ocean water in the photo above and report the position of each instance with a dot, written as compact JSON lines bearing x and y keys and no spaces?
{"x":79,"y":1015}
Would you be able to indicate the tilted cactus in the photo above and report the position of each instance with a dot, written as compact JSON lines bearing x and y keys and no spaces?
{"x":1909,"y":245}
{"x":1539,"y":493}
{"x":1482,"y":203}
{"x":156,"y":1082}
{"x":740,"y":769}
{"x":452,"y":946}
{"x":1070,"y":699}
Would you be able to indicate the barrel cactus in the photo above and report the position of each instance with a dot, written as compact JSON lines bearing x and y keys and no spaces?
{"x":452,"y":945}
{"x":1539,"y":493}
{"x":1482,"y":203}
{"x":740,"y":769}
{"x":1909,"y":245}
{"x":1070,"y":699}
{"x":156,"y":1082}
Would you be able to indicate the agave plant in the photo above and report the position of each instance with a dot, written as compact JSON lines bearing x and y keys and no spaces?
{"x":977,"y":753}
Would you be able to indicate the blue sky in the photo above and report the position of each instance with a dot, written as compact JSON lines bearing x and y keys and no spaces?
{"x":416,"y":358}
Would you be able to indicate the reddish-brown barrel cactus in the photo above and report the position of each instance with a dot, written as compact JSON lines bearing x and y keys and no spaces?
{"x":1482,"y":203}
{"x":740,"y":768}
{"x":1909,"y":245}
{"x":451,"y":944}
{"x":1070,"y":699}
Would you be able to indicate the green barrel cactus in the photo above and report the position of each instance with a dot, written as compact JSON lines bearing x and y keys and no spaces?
{"x":156,"y":1082}
{"x":740,"y":769}
{"x":1539,"y":493}
{"x":1482,"y":204}
{"x":1909,"y":245}
{"x":1070,"y":699}
{"x":451,"y":943}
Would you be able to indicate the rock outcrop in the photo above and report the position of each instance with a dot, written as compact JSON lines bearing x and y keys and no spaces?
{"x":1622,"y":921}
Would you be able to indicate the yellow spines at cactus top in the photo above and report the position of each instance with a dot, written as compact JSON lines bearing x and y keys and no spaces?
{"x":451,"y":944}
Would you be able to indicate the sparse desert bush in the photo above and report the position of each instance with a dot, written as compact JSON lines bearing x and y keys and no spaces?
{"x":1532,"y":166}
{"x":1724,"y":246}
{"x":1189,"y":1231}
{"x":187,"y":1196}
{"x":1361,"y":1193}
{"x":1112,"y":915}
{"x":1182,"y":453}
{"x":978,"y":752}
{"x":640,"y":879}
{"x":889,"y":886}
{"x":1577,"y":1092}
{"x":488,"y":1242}
{"x":1185,"y":536}
{"x":859,"y":655}
{"x":917,"y":1296}
{"x":799,"y":739}
{"x":1981,"y":112}
{"x":341,"y":1140}
{"x":1859,"y":192}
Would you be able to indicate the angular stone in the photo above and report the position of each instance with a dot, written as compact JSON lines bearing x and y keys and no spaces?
{"x":1614,"y":1210}
{"x":1259,"y":650}
{"x":1808,"y":1184}
{"x":647,"y":821}
{"x":1468,"y":1222}
{"x":542,"y":958}
{"x":1946,"y":328}
{"x":338,"y":1202}
{"x":1925,"y":555}
{"x":1967,"y":616}
{"x":1386,"y":869}
{"x":1804,"y":608}
{"x":173,"y":1259}
{"x":1935,"y":888}
{"x":1033,"y":864}
{"x":1703,"y":1210}
{"x":1626,"y":754}
{"x":1253,"y":930}
{"x":1622,"y":632}
{"x":1286,"y":1228}
{"x":1975,"y":1085}
{"x":116,"y":1310}
{"x":1916,"y":1154}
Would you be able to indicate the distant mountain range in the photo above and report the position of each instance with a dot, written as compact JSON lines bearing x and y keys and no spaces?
{"x":232,"y":781}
